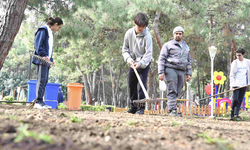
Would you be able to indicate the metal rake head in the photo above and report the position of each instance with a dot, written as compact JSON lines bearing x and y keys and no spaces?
{"x":43,"y":60}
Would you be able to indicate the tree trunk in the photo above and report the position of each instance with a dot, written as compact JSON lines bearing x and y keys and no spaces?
{"x":103,"y":86}
{"x":113,"y":84}
{"x":233,"y":45}
{"x":94,"y":85}
{"x":117,"y":87}
{"x":156,"y":30}
{"x":198,"y":83}
{"x":86,"y":87}
{"x":9,"y":25}
{"x":98,"y":92}
{"x":228,"y":67}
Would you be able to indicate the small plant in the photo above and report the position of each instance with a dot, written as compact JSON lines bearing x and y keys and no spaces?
{"x":8,"y":98}
{"x":61,"y":106}
{"x":223,"y":144}
{"x":245,"y":118}
{"x":174,"y":123}
{"x":75,"y":119}
{"x":132,"y":123}
{"x":23,"y":132}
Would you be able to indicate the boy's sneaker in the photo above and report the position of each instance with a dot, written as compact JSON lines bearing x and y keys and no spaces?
{"x":140,"y":112}
{"x":174,"y":113}
{"x":41,"y":105}
{"x":131,"y":110}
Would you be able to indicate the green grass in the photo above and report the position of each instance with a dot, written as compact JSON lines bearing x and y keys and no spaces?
{"x":61,"y":106}
{"x":223,"y":144}
{"x":96,"y":108}
{"x":75,"y":119}
{"x":132,"y":123}
{"x":23,"y":132}
{"x":175,"y":124}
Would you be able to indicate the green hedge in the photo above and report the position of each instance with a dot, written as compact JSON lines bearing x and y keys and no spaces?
{"x":8,"y":98}
{"x":96,"y":108}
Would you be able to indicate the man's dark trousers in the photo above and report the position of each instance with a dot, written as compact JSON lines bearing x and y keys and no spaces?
{"x":133,"y":85}
{"x":238,"y":96}
{"x":42,"y":80}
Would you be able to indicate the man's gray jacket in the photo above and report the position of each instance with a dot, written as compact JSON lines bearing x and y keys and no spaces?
{"x":174,"y":56}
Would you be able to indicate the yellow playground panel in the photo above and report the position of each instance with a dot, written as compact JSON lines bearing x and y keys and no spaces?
{"x":247,"y":99}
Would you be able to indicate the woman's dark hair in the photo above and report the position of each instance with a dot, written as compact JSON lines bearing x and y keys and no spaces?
{"x":52,"y":21}
{"x":240,"y":50}
{"x":141,"y":19}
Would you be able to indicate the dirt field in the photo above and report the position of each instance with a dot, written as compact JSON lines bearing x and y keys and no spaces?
{"x":25,"y":129}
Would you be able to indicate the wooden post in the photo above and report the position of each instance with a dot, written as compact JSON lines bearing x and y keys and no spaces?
{"x":185,"y":110}
{"x":198,"y":110}
{"x":202,"y":111}
{"x":195,"y":110}
{"x":189,"y":113}
{"x":182,"y":109}
{"x":179,"y":110}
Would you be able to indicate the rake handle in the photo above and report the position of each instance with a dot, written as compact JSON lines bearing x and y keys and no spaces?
{"x":140,"y":82}
{"x":224,"y":92}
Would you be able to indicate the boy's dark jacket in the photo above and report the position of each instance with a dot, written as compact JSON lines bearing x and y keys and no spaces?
{"x":41,"y":44}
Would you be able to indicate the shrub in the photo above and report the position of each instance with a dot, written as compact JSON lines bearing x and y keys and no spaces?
{"x":8,"y":98}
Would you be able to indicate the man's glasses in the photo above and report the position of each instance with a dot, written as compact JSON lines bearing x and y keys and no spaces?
{"x":239,"y":55}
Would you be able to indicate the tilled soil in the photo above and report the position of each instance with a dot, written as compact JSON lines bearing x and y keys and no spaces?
{"x":116,"y":131}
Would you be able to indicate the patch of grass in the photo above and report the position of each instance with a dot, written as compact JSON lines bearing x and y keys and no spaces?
{"x":174,"y":123}
{"x":61,"y":106}
{"x":23,"y":132}
{"x":223,"y":144}
{"x":75,"y":119}
{"x":132,"y":123}
{"x":96,"y":108}
{"x":245,"y":118}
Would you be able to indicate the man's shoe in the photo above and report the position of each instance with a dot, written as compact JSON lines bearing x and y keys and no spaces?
{"x":131,"y":110}
{"x":41,"y":105}
{"x":140,"y":112}
{"x":237,"y":118}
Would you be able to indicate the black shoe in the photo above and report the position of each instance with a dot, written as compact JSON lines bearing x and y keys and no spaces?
{"x":131,"y":110}
{"x":140,"y":112}
{"x":237,"y":118}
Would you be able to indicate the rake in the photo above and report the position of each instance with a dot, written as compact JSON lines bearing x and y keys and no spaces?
{"x":146,"y":99}
{"x":43,"y":61}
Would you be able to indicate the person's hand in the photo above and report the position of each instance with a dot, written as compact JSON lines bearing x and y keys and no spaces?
{"x":47,"y":58}
{"x":232,"y":89}
{"x":130,"y":61}
{"x":161,"y":77}
{"x":136,"y":65}
{"x":188,"y":78}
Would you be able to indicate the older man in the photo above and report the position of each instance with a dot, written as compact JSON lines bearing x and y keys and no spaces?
{"x":173,"y":64}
